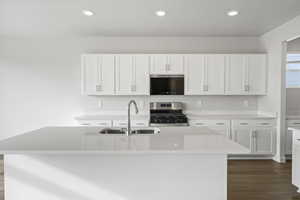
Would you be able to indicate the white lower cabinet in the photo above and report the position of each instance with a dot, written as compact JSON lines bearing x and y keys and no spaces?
{"x":256,"y":135}
{"x":263,"y":141}
{"x":100,"y":123}
{"x":220,"y":126}
{"x":243,"y":137}
{"x":289,"y":135}
{"x":296,"y":160}
{"x":134,"y":123}
{"x":114,"y":123}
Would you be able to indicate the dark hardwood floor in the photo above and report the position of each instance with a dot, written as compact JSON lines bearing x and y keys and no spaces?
{"x":247,"y":180}
{"x":260,"y":180}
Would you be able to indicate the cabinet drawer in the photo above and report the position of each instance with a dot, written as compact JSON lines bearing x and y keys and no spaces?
{"x":120,"y":123}
{"x":103,"y":123}
{"x":100,"y":123}
{"x":242,"y":123}
{"x":220,"y":123}
{"x":265,"y":123}
{"x":85,"y":123}
{"x":199,"y":123}
{"x":211,"y":123}
{"x":139,"y":123}
{"x":293,"y":123}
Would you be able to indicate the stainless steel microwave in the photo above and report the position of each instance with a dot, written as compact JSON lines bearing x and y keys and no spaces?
{"x":167,"y":85}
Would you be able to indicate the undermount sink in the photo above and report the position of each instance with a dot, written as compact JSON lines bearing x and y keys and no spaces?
{"x":145,"y":131}
{"x":113,"y":131}
{"x":134,"y":131}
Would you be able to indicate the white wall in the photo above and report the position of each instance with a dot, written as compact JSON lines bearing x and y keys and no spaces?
{"x":40,"y":78}
{"x":293,"y":94}
{"x":275,"y":100}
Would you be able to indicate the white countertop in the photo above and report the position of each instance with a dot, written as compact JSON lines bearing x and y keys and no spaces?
{"x":228,"y":116}
{"x":190,"y":117}
{"x":77,"y":140}
{"x":112,"y":117}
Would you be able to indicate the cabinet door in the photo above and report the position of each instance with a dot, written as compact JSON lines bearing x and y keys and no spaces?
{"x":132,"y":75}
{"x":243,"y":137}
{"x":289,"y":142}
{"x":214,"y":75}
{"x":141,"y":77}
{"x":194,"y":74}
{"x":235,"y":75}
{"x":98,"y":74}
{"x":296,"y":160}
{"x":257,"y":76}
{"x":175,"y":64}
{"x":159,"y":64}
{"x":263,"y":141}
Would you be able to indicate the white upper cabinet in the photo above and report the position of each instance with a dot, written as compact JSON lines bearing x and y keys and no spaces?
{"x":235,"y":74}
{"x":98,"y":74}
{"x":214,"y":75}
{"x":132,"y":75}
{"x":257,"y":74}
{"x":204,"y":74}
{"x":246,"y":74}
{"x":167,"y":64}
{"x":194,"y":74}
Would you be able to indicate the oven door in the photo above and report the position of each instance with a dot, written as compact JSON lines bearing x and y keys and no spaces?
{"x":167,"y":85}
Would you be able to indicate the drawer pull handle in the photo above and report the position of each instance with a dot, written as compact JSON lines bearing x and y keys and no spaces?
{"x":102,"y":123}
{"x":297,"y":123}
{"x":244,"y":124}
{"x":85,"y":124}
{"x":123,"y":123}
{"x":199,"y":123}
{"x":265,"y":123}
{"x":220,"y":124}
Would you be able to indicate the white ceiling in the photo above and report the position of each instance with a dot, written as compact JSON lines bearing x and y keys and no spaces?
{"x":137,"y":18}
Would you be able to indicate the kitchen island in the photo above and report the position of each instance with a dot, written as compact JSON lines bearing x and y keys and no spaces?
{"x":79,"y":163}
{"x":296,"y":158}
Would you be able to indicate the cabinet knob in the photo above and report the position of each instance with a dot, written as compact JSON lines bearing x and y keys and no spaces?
{"x":98,"y":88}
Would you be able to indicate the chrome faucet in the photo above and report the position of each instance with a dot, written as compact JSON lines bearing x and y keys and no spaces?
{"x":129,"y":120}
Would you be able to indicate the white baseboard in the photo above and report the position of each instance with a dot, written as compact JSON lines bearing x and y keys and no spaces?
{"x":251,"y":157}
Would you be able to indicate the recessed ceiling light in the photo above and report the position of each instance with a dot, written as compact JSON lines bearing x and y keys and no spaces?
{"x":232,"y":13}
{"x":87,"y":13}
{"x":160,"y":13}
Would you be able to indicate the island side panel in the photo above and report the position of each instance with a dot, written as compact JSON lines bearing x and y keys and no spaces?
{"x":296,"y":159}
{"x":116,"y":177}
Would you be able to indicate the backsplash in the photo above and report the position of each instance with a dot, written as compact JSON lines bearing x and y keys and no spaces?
{"x":193,"y":104}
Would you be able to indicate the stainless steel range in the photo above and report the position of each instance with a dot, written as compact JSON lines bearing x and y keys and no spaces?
{"x":167,"y":114}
